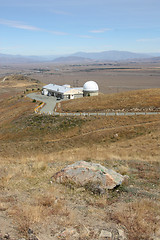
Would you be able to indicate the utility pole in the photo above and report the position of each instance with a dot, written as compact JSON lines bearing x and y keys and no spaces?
{"x":77,"y":81}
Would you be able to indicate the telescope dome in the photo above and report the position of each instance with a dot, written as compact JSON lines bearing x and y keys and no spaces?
{"x":90,"y":86}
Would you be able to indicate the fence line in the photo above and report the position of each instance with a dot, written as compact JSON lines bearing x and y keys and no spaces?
{"x":100,"y":113}
{"x":36,"y":110}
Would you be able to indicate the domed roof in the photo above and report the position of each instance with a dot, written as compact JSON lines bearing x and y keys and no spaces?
{"x":90,"y":86}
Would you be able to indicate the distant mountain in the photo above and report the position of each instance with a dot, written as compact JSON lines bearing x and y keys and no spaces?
{"x":71,"y":59}
{"x":112,"y":55}
{"x":10,"y":59}
{"x":78,"y":57}
{"x":7,"y":59}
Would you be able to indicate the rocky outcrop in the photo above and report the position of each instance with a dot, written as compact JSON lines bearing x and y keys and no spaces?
{"x":92,"y":176}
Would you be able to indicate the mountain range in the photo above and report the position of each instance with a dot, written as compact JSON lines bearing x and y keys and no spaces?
{"x":112,"y":55}
{"x":78,"y":57}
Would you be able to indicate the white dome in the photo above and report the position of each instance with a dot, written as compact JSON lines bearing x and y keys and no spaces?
{"x":90,"y":86}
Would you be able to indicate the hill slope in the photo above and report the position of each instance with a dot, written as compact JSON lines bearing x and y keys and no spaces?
{"x":147,"y":100}
{"x":34,"y":147}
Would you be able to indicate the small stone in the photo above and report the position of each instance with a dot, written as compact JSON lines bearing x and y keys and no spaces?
{"x":6,"y":236}
{"x":105,"y":234}
{"x":157,"y":235}
{"x":30,"y":231}
{"x":69,"y":234}
{"x":116,"y":135}
{"x":122,"y":234}
{"x":33,"y":237}
{"x":80,"y":190}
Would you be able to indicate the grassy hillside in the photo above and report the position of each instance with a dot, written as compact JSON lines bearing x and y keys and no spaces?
{"x":148,"y":99}
{"x":34,"y":147}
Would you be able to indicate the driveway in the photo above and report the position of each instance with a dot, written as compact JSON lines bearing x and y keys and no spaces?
{"x":50,"y":102}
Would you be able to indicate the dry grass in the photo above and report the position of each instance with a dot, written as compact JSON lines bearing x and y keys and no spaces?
{"x":133,"y":100}
{"x":28,"y":215}
{"x":34,"y":200}
{"x":18,"y":81}
{"x":33,"y":148}
{"x":141,"y":219}
{"x":54,"y":134}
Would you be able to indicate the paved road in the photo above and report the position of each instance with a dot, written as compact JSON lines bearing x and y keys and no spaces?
{"x":50,"y":102}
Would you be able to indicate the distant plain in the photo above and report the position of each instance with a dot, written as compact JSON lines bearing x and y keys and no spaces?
{"x":111,"y":77}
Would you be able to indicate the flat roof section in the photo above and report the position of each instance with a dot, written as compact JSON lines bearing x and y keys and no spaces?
{"x":63,"y":89}
{"x":56,"y":88}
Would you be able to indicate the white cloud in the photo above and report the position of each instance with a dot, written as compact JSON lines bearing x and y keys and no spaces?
{"x":15,"y":24}
{"x":19,"y":25}
{"x":102,"y":30}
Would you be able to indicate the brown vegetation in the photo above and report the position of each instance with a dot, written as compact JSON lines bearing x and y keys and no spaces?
{"x":34,"y":147}
{"x":141,"y":218}
{"x":138,"y":100}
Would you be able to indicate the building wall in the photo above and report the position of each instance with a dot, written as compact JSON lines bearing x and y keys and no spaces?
{"x":78,"y":95}
{"x":87,"y":93}
{"x":72,"y":96}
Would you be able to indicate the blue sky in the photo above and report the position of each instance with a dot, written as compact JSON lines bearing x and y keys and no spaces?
{"x":51,"y":27}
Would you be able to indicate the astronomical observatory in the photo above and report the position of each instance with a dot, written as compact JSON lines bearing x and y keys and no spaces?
{"x":90,"y":88}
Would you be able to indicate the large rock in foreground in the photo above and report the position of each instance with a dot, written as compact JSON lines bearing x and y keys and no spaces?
{"x":93,"y":176}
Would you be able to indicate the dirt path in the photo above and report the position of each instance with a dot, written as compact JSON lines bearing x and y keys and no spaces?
{"x":101,"y":130}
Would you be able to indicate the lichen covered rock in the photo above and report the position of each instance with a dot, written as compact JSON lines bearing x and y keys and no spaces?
{"x":93,"y":176}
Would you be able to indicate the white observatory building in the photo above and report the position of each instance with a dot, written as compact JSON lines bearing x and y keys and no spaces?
{"x":90,"y":88}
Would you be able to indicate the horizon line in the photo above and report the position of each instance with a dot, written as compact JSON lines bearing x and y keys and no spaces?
{"x":61,"y":54}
